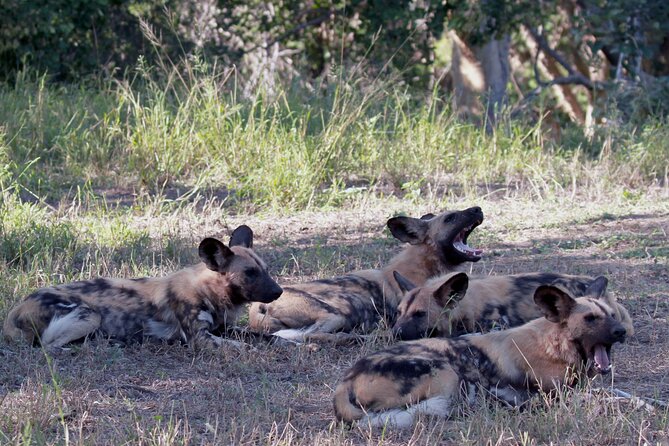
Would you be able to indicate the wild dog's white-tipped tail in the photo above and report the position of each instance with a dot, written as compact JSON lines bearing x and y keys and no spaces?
{"x":404,"y":418}
{"x":397,"y":418}
{"x":74,"y":325}
{"x":344,"y":405}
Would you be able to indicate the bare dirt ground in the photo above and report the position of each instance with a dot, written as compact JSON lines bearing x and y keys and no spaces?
{"x":266,"y":394}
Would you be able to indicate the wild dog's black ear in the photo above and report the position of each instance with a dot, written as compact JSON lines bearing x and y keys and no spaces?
{"x":597,"y":287}
{"x":405,"y":284}
{"x":408,"y":229}
{"x":554,"y":303}
{"x":428,"y":216}
{"x":452,"y":290}
{"x":242,"y":236}
{"x":214,"y":254}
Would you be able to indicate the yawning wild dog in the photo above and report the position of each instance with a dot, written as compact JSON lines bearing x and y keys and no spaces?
{"x":359,"y":300}
{"x":431,"y":376}
{"x":186,"y":305}
{"x":447,"y":306}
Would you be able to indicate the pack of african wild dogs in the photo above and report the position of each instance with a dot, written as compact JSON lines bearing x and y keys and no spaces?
{"x":454,"y":336}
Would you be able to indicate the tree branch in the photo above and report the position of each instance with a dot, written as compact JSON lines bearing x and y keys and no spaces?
{"x":313,"y":22}
{"x":573,"y":77}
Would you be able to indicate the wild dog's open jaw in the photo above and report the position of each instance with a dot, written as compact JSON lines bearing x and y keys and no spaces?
{"x":601,"y":358}
{"x":460,"y":242}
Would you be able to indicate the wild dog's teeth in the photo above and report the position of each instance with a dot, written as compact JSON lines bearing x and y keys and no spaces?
{"x":466,"y":249}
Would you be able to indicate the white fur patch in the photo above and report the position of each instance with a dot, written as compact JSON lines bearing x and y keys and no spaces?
{"x":70,"y":327}
{"x":404,"y":418}
{"x":398,"y":418}
{"x":293,"y":334}
{"x":206,"y":317}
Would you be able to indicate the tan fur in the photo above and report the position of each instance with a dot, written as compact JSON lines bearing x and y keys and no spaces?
{"x":358,"y":301}
{"x":490,"y":302}
{"x":432,"y":375}
{"x":186,"y":305}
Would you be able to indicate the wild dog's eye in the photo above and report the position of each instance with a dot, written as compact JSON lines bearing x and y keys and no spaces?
{"x":251,"y":272}
{"x":419,"y":314}
{"x":449,"y":218}
{"x":590,"y":317}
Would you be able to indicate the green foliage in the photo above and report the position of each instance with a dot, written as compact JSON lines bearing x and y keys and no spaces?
{"x":27,"y":235}
{"x":164,"y":131}
{"x":70,"y":38}
{"x":628,"y":31}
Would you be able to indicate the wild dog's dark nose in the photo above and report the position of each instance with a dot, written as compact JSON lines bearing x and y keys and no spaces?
{"x":276,"y":292}
{"x":476,"y":210}
{"x":619,"y":333}
{"x":406,"y":332}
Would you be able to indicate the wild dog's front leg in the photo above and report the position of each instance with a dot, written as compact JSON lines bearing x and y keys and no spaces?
{"x":510,"y":395}
{"x":206,"y":340}
{"x":202,"y":337}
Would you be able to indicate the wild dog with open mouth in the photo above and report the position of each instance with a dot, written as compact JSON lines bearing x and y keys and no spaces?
{"x":452,"y":305}
{"x":431,"y":376}
{"x":437,"y":244}
{"x":186,"y":305}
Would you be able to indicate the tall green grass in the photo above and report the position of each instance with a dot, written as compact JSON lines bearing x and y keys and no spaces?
{"x":188,"y":127}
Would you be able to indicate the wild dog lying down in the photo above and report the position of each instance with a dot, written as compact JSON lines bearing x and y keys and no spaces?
{"x":186,"y":305}
{"x":447,"y":306}
{"x":431,"y":376}
{"x":437,"y":244}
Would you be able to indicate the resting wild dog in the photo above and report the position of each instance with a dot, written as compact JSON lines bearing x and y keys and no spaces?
{"x":359,"y":300}
{"x":447,"y":306}
{"x":186,"y":305}
{"x":431,"y":376}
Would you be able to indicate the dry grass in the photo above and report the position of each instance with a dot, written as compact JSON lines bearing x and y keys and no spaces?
{"x":103,"y":394}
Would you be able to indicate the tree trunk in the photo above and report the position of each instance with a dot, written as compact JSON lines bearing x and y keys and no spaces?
{"x":494,"y":57}
{"x":480,"y":73}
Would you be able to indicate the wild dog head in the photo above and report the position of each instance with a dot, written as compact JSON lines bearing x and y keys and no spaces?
{"x":248,"y":279}
{"x":446,"y":233}
{"x":422,"y":309}
{"x":589,"y":323}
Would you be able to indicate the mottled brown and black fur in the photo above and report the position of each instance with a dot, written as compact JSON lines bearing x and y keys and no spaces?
{"x":432,"y":376}
{"x":184,"y":306}
{"x":486,"y":303}
{"x":437,"y":244}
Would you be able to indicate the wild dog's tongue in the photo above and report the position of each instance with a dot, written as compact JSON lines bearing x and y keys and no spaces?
{"x":601,"y":358}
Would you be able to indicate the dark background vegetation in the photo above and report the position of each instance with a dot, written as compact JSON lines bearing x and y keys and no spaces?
{"x":591,"y":43}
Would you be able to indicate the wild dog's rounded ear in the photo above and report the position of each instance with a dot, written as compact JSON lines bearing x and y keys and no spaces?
{"x":405,"y":284}
{"x":214,"y":254}
{"x":452,"y":290}
{"x":408,"y":229}
{"x":428,"y":216}
{"x":242,"y":236}
{"x":554,"y":303}
{"x":597,"y":287}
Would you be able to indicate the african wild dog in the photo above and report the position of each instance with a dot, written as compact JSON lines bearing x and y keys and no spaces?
{"x":446,"y":306}
{"x":186,"y":305}
{"x":431,"y":376}
{"x":359,"y":300}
